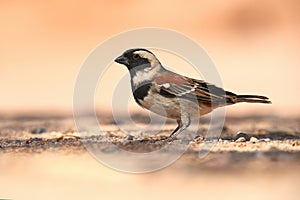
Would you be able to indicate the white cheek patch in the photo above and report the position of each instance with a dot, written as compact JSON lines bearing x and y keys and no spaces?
{"x":140,"y":76}
{"x":144,"y":75}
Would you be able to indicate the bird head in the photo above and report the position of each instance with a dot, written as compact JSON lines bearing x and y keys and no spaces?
{"x":138,"y":59}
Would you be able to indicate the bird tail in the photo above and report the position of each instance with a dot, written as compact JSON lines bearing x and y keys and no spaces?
{"x":252,"y":99}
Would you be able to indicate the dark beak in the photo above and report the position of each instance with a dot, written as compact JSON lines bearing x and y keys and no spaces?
{"x":122,"y":60}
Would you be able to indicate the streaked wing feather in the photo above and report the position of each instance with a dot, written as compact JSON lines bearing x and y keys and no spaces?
{"x":187,"y":88}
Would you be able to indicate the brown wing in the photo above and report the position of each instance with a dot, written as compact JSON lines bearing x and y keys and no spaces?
{"x":175,"y":85}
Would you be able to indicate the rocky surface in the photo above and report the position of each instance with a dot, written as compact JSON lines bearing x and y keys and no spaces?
{"x":39,"y":154}
{"x":243,"y":140}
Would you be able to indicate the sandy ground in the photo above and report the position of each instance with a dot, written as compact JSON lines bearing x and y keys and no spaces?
{"x":43,"y":158}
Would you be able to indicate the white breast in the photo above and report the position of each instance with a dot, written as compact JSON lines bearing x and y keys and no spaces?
{"x":145,"y":74}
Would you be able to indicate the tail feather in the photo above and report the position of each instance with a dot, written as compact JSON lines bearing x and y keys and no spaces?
{"x":252,"y":99}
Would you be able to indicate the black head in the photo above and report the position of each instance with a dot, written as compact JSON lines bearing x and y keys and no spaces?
{"x":137,"y":58}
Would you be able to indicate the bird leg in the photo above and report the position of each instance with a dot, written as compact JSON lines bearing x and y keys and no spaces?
{"x":183,"y":123}
{"x":175,"y":131}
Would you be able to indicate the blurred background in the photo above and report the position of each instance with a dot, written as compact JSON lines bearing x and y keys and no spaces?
{"x":255,"y":45}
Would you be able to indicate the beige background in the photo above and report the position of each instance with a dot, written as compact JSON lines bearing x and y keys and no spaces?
{"x":254,"y":44}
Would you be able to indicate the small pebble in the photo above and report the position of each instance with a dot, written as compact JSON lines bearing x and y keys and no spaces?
{"x":253,"y":139}
{"x":242,"y":134}
{"x":198,"y":139}
{"x":266,"y":139}
{"x":241,"y":139}
{"x":38,"y":130}
{"x":129,"y":137}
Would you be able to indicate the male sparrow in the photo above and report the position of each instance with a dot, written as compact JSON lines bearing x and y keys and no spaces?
{"x":172,"y":95}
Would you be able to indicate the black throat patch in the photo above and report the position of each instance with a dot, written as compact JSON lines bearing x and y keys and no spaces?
{"x":141,"y":92}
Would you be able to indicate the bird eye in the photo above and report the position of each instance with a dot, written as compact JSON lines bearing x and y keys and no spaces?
{"x":135,"y":56}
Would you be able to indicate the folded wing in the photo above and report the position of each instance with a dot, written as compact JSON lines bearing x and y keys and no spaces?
{"x":174,"y":85}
